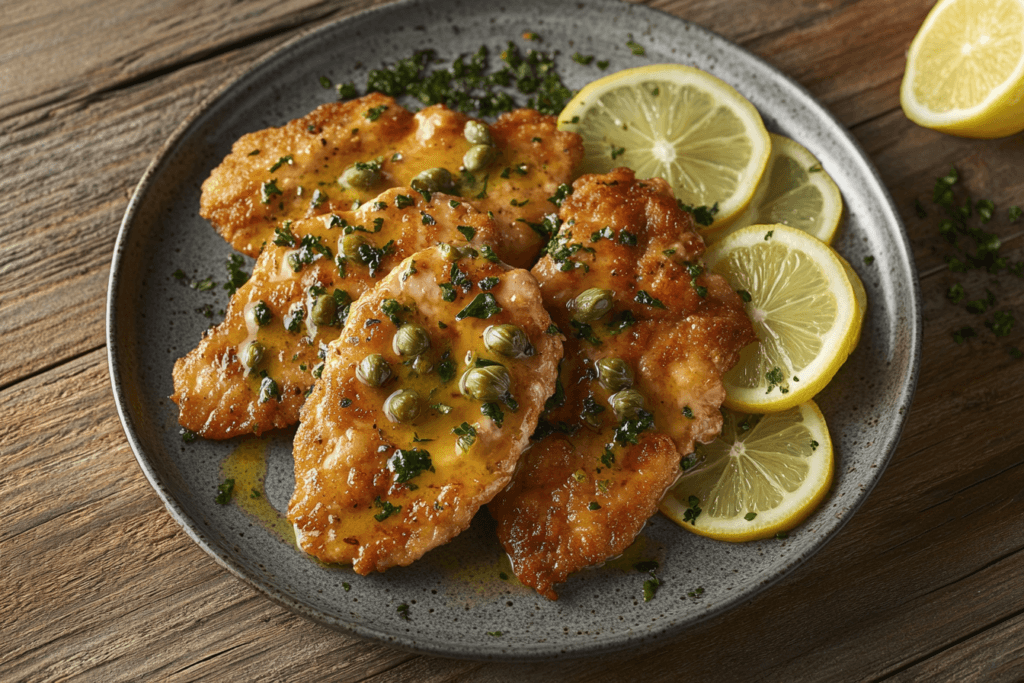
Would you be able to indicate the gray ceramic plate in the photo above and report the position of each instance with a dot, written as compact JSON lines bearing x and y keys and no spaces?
{"x":456,"y":595}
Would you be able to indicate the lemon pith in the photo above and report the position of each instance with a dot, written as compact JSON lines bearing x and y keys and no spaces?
{"x":674,"y":122}
{"x":763,"y":475}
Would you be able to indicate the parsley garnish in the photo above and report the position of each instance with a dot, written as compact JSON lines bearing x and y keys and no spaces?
{"x":386,"y":509}
{"x":269,"y":189}
{"x":483,"y":307}
{"x":643,"y":297}
{"x":261,"y":313}
{"x":467,"y":231}
{"x":408,"y":464}
{"x":375,"y":113}
{"x":493,"y":411}
{"x":224,"y":492}
{"x":446,"y":368}
{"x":693,"y":512}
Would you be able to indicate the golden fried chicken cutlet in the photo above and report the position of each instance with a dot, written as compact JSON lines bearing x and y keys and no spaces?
{"x":349,"y":152}
{"x":425,"y":403}
{"x":252,"y":372}
{"x":650,"y":336}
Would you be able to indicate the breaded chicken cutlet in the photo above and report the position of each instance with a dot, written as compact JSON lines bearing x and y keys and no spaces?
{"x":252,"y":372}
{"x":349,"y":152}
{"x":424,"y":405}
{"x":650,"y":335}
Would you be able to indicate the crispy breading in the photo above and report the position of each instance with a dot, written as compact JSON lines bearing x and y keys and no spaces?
{"x":293,"y":171}
{"x":378,"y":492}
{"x":591,"y":480}
{"x":219,"y":394}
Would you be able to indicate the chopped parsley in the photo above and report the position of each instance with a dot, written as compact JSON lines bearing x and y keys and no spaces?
{"x":375,"y":112}
{"x":408,"y":464}
{"x":691,"y":513}
{"x":493,"y":411}
{"x":386,"y":509}
{"x":483,"y":307}
{"x":236,"y":273}
{"x":261,"y":313}
{"x":608,"y":457}
{"x":224,"y":492}
{"x":467,"y":231}
{"x":268,"y":388}
{"x":643,"y":297}
{"x":703,"y":215}
{"x":446,"y":368}
{"x":281,"y":162}
{"x":269,"y":190}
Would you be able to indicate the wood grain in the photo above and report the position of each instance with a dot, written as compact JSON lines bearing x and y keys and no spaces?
{"x":99,"y":583}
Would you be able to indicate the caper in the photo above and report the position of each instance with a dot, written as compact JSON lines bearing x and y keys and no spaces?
{"x":592,"y":304}
{"x":478,"y":157}
{"x":402,"y":406}
{"x":489,"y":383}
{"x":373,"y":370}
{"x":350,"y":245}
{"x":614,"y":373}
{"x":360,"y":176}
{"x":627,"y":403}
{"x":410,"y":340}
{"x":253,"y":354}
{"x":508,"y":340}
{"x":432,"y":180}
{"x":477,"y":133}
{"x":421,"y":365}
{"x":324,"y":309}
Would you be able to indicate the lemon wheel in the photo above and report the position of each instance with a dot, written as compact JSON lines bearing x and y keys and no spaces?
{"x":763,"y":475}
{"x":965,"y":69}
{"x":795,"y":190}
{"x":674,"y":122}
{"x":803,"y":308}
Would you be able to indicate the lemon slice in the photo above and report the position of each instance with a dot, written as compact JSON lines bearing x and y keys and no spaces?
{"x":795,"y":190}
{"x":965,"y":69}
{"x":674,"y":122}
{"x":804,"y":312}
{"x":763,"y":475}
{"x":861,"y":296}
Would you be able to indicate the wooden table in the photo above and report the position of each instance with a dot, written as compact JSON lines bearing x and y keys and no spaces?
{"x":98,"y":582}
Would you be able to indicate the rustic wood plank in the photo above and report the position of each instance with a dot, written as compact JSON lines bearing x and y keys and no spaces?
{"x":96,"y":577}
{"x":108,"y":44}
{"x":996,"y":654}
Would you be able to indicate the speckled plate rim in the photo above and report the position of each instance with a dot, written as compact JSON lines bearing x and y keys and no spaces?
{"x":116,"y":359}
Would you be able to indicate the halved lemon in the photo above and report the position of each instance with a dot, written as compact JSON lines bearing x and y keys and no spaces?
{"x":795,"y":190}
{"x":965,"y":69}
{"x":673,"y":122}
{"x":763,"y":475}
{"x":804,"y":312}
